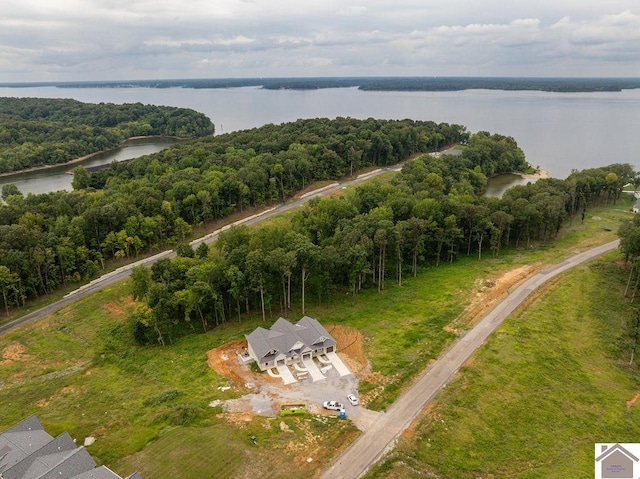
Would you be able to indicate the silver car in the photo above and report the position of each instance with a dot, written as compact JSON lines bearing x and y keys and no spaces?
{"x":352,"y":398}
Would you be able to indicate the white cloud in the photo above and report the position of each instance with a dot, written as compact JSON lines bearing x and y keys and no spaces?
{"x":94,"y":39}
{"x":353,"y":10}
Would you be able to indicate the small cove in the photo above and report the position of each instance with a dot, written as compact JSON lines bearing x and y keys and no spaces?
{"x":55,"y":178}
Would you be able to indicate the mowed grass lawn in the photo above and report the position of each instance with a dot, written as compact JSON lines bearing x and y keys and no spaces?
{"x":80,"y":371}
{"x":551,"y":382}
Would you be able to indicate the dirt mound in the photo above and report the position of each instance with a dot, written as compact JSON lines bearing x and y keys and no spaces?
{"x":350,"y":345}
{"x":118,"y":310}
{"x":224,"y":361}
{"x":633,"y":400}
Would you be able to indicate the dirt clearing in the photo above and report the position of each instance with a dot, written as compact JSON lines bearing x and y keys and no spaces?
{"x":13,"y":352}
{"x":489,"y":292}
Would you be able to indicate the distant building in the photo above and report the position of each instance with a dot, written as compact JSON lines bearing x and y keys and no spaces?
{"x":286,"y":343}
{"x":27,"y":451}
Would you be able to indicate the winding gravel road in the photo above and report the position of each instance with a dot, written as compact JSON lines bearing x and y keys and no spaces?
{"x":375,"y":442}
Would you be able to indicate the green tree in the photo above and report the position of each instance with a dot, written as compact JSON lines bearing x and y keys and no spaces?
{"x":283,"y":262}
{"x":140,"y":281}
{"x":306,"y":255}
{"x":9,"y":189}
{"x":256,"y":270}
{"x":81,"y":178}
{"x":8,"y":279}
{"x":414,"y":231}
{"x":202,"y":251}
{"x":237,"y":285}
{"x":629,"y":233}
{"x":185,"y":250}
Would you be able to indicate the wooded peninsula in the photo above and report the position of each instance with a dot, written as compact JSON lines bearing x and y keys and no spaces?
{"x":432,"y":211}
{"x":39,"y":131}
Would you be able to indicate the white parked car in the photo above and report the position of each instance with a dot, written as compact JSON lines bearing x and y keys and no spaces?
{"x":353,"y":399}
{"x":333,"y":405}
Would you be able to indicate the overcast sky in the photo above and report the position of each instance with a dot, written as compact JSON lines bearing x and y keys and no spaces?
{"x":69,"y":40}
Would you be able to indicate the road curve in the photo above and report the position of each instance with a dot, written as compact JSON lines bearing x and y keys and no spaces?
{"x":374,"y":443}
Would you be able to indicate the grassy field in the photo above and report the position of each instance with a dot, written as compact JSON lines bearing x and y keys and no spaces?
{"x":548,"y":385}
{"x":148,"y":407}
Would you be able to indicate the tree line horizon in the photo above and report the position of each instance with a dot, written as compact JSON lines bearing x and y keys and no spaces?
{"x":369,"y":83}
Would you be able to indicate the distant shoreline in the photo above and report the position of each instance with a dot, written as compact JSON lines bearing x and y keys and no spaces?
{"x":85,"y":157}
{"x":402,"y":84}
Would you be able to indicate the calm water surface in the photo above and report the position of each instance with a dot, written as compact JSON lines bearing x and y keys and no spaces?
{"x":557,"y":131}
{"x":56,"y":177}
{"x":497,"y":185}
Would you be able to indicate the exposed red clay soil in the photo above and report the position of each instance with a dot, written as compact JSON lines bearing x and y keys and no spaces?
{"x":633,"y":400}
{"x":224,"y":361}
{"x":490,"y":292}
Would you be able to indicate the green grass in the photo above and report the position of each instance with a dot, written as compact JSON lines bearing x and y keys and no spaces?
{"x":547,"y":386}
{"x":221,"y":451}
{"x":79,"y":370}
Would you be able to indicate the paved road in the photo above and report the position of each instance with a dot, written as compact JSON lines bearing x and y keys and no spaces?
{"x":124,"y":272}
{"x":374,"y":443}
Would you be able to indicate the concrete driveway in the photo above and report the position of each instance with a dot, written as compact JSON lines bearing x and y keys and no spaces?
{"x":267,"y":397}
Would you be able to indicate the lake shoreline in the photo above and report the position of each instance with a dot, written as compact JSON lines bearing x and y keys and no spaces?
{"x":498,"y":184}
{"x":87,"y":157}
{"x":539,"y":174}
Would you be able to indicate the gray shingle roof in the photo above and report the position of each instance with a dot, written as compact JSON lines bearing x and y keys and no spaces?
{"x":314,"y":333}
{"x":62,"y":443}
{"x":28,"y":424}
{"x":101,"y":472}
{"x":284,"y":337}
{"x":28,"y":452}
{"x":61,"y":465}
{"x":20,"y":441}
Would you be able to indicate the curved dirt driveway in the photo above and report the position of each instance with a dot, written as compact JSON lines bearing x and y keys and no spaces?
{"x":371,"y":445}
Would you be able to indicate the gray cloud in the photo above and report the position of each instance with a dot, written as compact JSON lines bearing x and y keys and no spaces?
{"x":44,"y":40}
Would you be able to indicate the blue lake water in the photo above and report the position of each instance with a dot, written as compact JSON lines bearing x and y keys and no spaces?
{"x":557,"y":131}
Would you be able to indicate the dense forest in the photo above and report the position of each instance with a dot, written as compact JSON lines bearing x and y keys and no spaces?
{"x":41,"y":131}
{"x":374,"y":83}
{"x":431,"y":212}
{"x":50,"y":239}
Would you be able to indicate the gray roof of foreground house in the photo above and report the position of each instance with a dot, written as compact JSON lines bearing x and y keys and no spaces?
{"x":284,"y":337}
{"x":104,"y":472}
{"x":20,"y":441}
{"x":27,"y":451}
